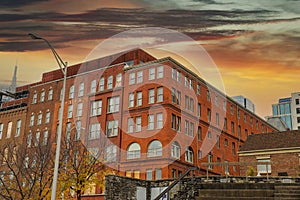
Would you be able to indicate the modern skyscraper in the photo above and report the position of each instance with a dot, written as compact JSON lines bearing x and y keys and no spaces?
{"x":245,"y":102}
{"x":288,"y":109}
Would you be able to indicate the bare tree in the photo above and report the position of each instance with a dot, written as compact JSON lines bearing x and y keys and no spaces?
{"x":26,"y":172}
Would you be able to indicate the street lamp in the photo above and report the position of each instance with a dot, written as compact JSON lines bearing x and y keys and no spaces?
{"x":63,"y":67}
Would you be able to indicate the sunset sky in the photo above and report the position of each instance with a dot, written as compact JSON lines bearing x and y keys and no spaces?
{"x":255,"y":44}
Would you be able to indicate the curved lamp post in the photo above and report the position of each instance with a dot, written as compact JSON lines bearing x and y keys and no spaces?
{"x":63,"y":67}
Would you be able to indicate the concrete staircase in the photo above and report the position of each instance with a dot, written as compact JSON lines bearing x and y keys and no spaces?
{"x":236,"y":192}
{"x":287,"y":192}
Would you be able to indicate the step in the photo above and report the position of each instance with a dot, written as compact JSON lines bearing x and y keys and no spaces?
{"x":236,"y":192}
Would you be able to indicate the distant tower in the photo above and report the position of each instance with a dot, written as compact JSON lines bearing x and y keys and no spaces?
{"x":13,"y":85}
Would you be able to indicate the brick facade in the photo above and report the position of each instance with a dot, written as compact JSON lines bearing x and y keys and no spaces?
{"x":194,"y":121}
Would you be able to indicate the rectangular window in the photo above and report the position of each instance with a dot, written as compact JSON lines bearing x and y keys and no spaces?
{"x":40,"y":118}
{"x":79,"y":109}
{"x":37,"y":138}
{"x":96,"y":108}
{"x":178,"y":125}
{"x":226,"y":142}
{"x":70,"y":111}
{"x":173,"y":95}
{"x":50,"y":94}
{"x":94,"y":131}
{"x":110,"y":82}
{"x":198,"y":109}
{"x":71,"y":92}
{"x":263,"y":166}
{"x":191,"y":104}
{"x":160,"y":72}
{"x":191,"y":129}
{"x":297,"y":101}
{"x":233,"y":149}
{"x":132,"y":78}
{"x":131,"y":100}
{"x":139,"y":77}
{"x":298,"y":110}
{"x":209,"y":136}
{"x":42,"y":97}
{"x":139,"y":98}
{"x":173,"y":73}
{"x":81,"y":90}
{"x":151,"y":96}
{"x":119,"y":80}
{"x":45,"y":137}
{"x":159,"y":120}
{"x":178,"y":97}
{"x":112,"y":128}
{"x":160,"y":94}
{"x":218,"y":141}
{"x":101,"y":84}
{"x":157,"y":174}
{"x":187,"y":128}
{"x":113,"y":104}
{"x":232,"y":127}
{"x":186,"y":81}
{"x":191,"y":84}
{"x":151,"y":74}
{"x":208,"y":115}
{"x":238,"y":113}
{"x":130,"y":125}
{"x":18,"y":128}
{"x":217,"y":100}
{"x":78,"y":130}
{"x":173,"y":123}
{"x":138,"y":123}
{"x":186,"y":102}
{"x":31,"y":122}
{"x":208,"y":95}
{"x":34,"y":98}
{"x":1,"y":130}
{"x":199,"y":133}
{"x":149,"y":174}
{"x":225,"y":124}
{"x":93,"y":86}
{"x":68,"y":131}
{"x":110,"y":153}
{"x":210,"y":160}
{"x":217,"y":119}
{"x":198,"y":89}
{"x":178,"y":76}
{"x":151,"y":122}
{"x":231,"y":109}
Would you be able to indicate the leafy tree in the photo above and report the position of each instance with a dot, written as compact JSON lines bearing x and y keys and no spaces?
{"x":82,"y":168}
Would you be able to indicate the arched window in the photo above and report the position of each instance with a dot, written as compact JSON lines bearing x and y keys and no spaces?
{"x":189,"y":155}
{"x":133,"y":151}
{"x":175,"y":150}
{"x":155,"y":149}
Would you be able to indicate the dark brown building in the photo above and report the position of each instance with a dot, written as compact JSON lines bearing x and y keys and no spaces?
{"x":280,"y":151}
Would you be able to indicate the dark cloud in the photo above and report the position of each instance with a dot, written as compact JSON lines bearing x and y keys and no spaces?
{"x":17,"y":3}
{"x":103,"y":23}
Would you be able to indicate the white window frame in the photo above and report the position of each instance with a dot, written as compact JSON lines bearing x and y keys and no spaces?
{"x":131,"y":100}
{"x":96,"y":107}
{"x":151,"y":74}
{"x":113,"y":104}
{"x":150,"y":121}
{"x":81,"y":89}
{"x":101,"y":84}
{"x":93,"y":88}
{"x":160,"y":72}
{"x":110,"y":81}
{"x":94,"y":132}
{"x":79,"y":109}
{"x":160,"y":94}
{"x":119,"y":80}
{"x":151,"y":96}
{"x":132,"y":78}
{"x":112,"y":128}
{"x":72,"y":92}
{"x":139,"y":98}
{"x":139,"y":77}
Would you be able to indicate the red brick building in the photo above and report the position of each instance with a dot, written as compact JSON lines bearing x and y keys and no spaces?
{"x":280,"y":150}
{"x":158,"y":117}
